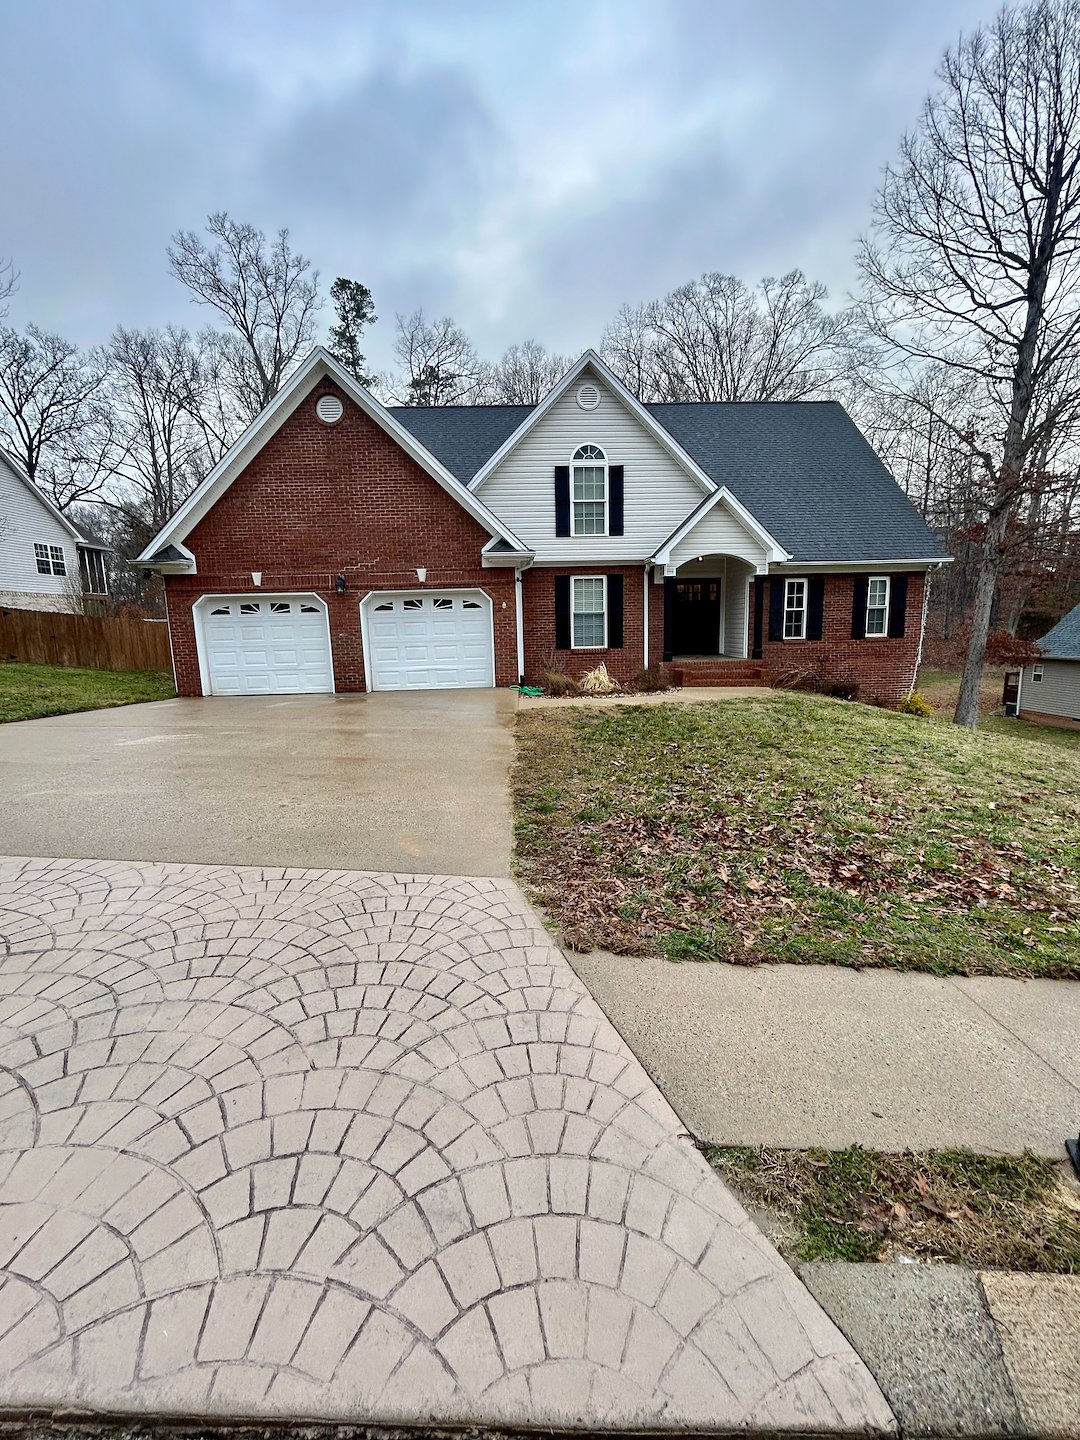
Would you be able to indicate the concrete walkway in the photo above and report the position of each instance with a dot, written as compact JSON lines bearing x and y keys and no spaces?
{"x":345,"y":1147}
{"x":803,"y":1055}
{"x":409,"y":780}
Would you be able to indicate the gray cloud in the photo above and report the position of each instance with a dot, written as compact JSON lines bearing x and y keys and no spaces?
{"x":526,"y":169}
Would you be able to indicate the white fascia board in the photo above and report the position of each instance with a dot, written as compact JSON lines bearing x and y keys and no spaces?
{"x":266,"y":424}
{"x":848,"y":567}
{"x":590,"y":359}
{"x":773,"y":549}
{"x":39,"y":495}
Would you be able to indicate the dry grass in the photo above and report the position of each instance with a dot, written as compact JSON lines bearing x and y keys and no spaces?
{"x":795,"y":828}
{"x":988,"y":1212}
{"x":942,"y":689}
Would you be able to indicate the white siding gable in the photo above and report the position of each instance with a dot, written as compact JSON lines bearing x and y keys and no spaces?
{"x":24,"y":521}
{"x":720,"y":532}
{"x":658,"y":491}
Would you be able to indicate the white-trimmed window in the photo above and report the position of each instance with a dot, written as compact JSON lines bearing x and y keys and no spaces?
{"x":588,"y":491}
{"x":50,"y":559}
{"x":877,"y":607}
{"x":795,"y":610}
{"x":1037,"y":674}
{"x":588,"y":612}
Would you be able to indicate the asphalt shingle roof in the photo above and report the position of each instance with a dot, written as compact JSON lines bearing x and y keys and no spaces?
{"x":803,"y":469}
{"x":1063,"y":641}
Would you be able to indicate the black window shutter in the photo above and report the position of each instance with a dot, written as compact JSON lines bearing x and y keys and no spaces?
{"x":562,"y":499}
{"x":615,"y":499}
{"x":815,"y":607}
{"x":759,"y":615}
{"x":562,"y":612}
{"x":860,"y":584}
{"x":897,"y":606}
{"x":614,"y":612}
{"x":776,"y":609}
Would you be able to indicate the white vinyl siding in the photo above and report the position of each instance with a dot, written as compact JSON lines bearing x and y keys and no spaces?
{"x":658,"y":491}
{"x":29,"y":522}
{"x":720,"y":532}
{"x":1057,"y":693}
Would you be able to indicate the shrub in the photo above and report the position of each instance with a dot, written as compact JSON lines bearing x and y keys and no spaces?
{"x":915,"y":704}
{"x":559,"y":682}
{"x":598,"y":682}
{"x":649,"y":682}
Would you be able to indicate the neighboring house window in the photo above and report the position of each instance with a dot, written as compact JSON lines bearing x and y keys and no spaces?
{"x":877,"y":606}
{"x":1037,"y":674}
{"x":50,"y":559}
{"x":588,"y":612}
{"x":93,"y":572}
{"x":795,"y":610}
{"x":588,"y":491}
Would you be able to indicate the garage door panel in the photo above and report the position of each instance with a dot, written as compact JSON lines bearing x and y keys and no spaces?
{"x":429,"y":641}
{"x":261,"y":647}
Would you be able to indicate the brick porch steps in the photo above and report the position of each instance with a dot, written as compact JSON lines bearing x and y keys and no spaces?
{"x":718,"y":672}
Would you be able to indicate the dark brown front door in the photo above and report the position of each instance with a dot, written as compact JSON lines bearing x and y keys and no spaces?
{"x":696,"y":617}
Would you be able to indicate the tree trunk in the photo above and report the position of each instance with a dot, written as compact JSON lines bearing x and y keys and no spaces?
{"x":989,"y":567}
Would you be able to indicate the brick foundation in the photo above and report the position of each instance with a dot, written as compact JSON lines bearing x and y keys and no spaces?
{"x":322,"y":500}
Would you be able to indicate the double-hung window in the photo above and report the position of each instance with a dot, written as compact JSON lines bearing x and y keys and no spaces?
{"x":877,"y":606}
{"x":50,"y":559}
{"x":588,"y":491}
{"x":588,"y":612}
{"x":795,"y":610}
{"x":1037,"y":674}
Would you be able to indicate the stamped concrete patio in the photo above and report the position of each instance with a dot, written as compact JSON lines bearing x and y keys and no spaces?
{"x":342,"y":1146}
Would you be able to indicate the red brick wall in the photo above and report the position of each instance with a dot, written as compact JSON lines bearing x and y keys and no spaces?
{"x":319,"y":500}
{"x":538,"y":606}
{"x":884,"y":668}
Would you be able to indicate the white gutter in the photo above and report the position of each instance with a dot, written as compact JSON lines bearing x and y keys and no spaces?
{"x":645,"y":642}
{"x":519,"y":616}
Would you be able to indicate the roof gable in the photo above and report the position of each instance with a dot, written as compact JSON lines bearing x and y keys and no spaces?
{"x":9,"y":463}
{"x":591,"y":361}
{"x":267,"y":423}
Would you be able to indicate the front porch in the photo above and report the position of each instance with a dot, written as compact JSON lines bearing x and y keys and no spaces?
{"x":707,"y":609}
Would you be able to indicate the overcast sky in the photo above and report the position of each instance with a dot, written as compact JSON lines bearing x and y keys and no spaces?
{"x":523,"y":165}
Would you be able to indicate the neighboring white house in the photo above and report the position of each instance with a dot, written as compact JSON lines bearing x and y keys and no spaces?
{"x":1050,"y":688}
{"x":46,"y":561}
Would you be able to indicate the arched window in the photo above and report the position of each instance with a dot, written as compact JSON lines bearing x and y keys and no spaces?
{"x":589,"y":490}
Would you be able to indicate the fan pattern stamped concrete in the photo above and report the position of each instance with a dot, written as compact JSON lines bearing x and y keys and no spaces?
{"x":341,"y":1146}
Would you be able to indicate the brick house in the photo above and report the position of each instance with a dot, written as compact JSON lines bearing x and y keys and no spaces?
{"x":344,"y":546}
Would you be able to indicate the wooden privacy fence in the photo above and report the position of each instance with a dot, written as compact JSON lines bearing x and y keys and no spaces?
{"x":45,"y":637}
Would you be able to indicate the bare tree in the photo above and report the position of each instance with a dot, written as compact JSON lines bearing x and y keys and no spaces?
{"x":716,"y":339}
{"x":523,"y":376}
{"x":49,"y":395}
{"x":438,"y":365}
{"x":9,"y":280}
{"x":266,"y":291}
{"x":972,"y":264}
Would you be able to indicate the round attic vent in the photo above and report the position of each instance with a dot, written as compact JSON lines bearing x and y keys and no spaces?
{"x":588,"y":397}
{"x":329,"y":409}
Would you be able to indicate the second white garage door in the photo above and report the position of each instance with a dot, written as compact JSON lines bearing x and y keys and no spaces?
{"x":428,"y":640}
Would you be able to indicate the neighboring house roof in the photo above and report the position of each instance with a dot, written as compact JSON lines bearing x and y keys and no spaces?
{"x":77,"y":533}
{"x":170,"y":539}
{"x":1063,"y":641}
{"x":803,"y":470}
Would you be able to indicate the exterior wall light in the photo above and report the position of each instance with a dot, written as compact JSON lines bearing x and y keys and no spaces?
{"x":339,"y":584}
{"x":421,"y":573}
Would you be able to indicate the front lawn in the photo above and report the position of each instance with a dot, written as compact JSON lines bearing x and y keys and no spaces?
{"x":794,"y":828}
{"x":986,"y":1211}
{"x":27,"y":692}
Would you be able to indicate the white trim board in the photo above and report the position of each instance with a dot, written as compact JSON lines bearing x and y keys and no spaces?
{"x":266,"y":424}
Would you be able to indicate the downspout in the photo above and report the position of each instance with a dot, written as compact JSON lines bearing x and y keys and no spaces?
{"x":519,"y":617}
{"x":645,"y":612}
{"x":922,"y":627}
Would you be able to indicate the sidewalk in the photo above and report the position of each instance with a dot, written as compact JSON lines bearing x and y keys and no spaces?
{"x":801,"y":1055}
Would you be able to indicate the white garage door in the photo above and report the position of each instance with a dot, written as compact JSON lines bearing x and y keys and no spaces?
{"x":427,"y":640}
{"x":278,"y":646}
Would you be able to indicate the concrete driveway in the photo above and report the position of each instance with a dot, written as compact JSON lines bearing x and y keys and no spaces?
{"x":405,"y":781}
